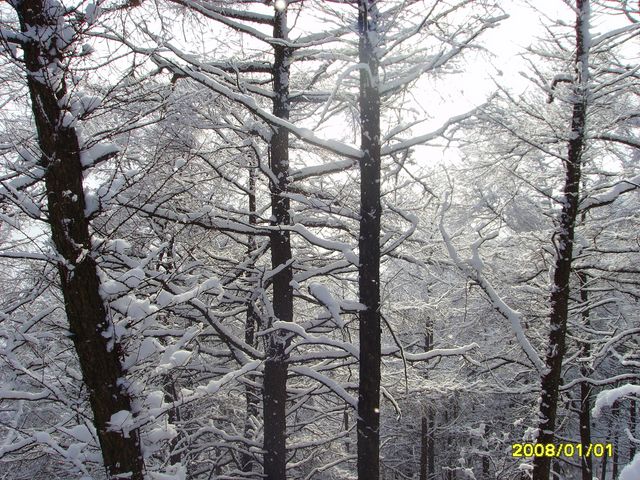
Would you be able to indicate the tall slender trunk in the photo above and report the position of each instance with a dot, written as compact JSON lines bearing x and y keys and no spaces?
{"x":603,"y":466}
{"x":633,"y":420}
{"x":585,"y":389}
{"x":424,"y":447}
{"x":275,"y":368}
{"x":250,"y":394}
{"x":615,"y":413}
{"x":369,"y":248}
{"x":427,"y":448}
{"x":550,"y":381}
{"x":173,"y":416}
{"x":89,"y":323}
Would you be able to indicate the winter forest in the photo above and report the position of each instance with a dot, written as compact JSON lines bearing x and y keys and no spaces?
{"x":320,"y":240}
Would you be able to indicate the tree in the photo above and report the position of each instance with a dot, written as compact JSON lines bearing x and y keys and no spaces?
{"x":48,"y":38}
{"x":369,"y":245}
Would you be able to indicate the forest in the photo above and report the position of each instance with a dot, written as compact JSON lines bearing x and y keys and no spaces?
{"x":319,"y":239}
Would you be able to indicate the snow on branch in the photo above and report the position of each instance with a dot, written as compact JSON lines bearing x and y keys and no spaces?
{"x":324,"y":169}
{"x":332,"y":385}
{"x":607,"y":398}
{"x":614,"y":34}
{"x":422,"y":139}
{"x":610,"y":196}
{"x":473,"y":270}
{"x":250,"y":104}
{"x":222,"y":15}
{"x":344,"y":248}
{"x":633,"y":142}
{"x":431,"y":354}
{"x":309,"y":339}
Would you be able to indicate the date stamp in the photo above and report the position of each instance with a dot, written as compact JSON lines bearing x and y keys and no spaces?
{"x":567,"y":450}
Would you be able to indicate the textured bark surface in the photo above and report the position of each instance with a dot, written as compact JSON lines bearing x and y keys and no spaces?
{"x":88,"y":320}
{"x":369,"y":250}
{"x":275,"y":369}
{"x":251,"y":393}
{"x":427,"y":437}
{"x":550,"y":381}
{"x":586,"y":462}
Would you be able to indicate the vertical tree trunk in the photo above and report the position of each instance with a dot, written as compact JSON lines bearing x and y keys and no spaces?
{"x":369,"y":248}
{"x":173,"y":416}
{"x":347,"y":442}
{"x":603,"y":472}
{"x":615,"y":412}
{"x":585,"y":389}
{"x":250,"y":394}
{"x":424,"y":448}
{"x":486,"y":464}
{"x":427,"y":450}
{"x":550,"y":381}
{"x":275,"y":368}
{"x":632,"y":428}
{"x":89,"y":323}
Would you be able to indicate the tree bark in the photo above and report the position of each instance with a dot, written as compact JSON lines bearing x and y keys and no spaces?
{"x":89,"y":324}
{"x":585,"y":389}
{"x":251,"y":321}
{"x":615,"y":413}
{"x":632,"y":428}
{"x":550,"y":381}
{"x":369,"y":248}
{"x":275,"y":369}
{"x":427,"y":449}
{"x":424,"y":448}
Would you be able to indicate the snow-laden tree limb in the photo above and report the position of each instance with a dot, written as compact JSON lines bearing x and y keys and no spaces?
{"x":607,"y":398}
{"x":473,"y":270}
{"x":611,"y":195}
{"x":422,"y":139}
{"x":332,"y":385}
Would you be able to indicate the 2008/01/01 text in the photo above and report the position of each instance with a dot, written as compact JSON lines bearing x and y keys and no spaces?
{"x":525,"y":450}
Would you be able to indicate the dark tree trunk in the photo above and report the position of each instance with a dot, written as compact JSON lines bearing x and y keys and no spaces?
{"x":251,"y":321}
{"x":171,"y":395}
{"x":369,"y":249}
{"x":603,"y":471}
{"x":275,"y":368}
{"x":550,"y":381}
{"x":427,"y":450}
{"x":347,"y":442}
{"x":615,"y":412}
{"x":486,"y":464}
{"x":585,"y":389}
{"x":424,"y":448}
{"x":89,"y":323}
{"x":632,"y":428}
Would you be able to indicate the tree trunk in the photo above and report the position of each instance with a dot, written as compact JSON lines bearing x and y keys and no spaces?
{"x":369,"y":249}
{"x":585,"y":389}
{"x":424,"y":448}
{"x":250,"y":394}
{"x":603,"y":472}
{"x":89,"y":323}
{"x":632,"y":428}
{"x":275,"y":369}
{"x":550,"y":381}
{"x":615,"y":413}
